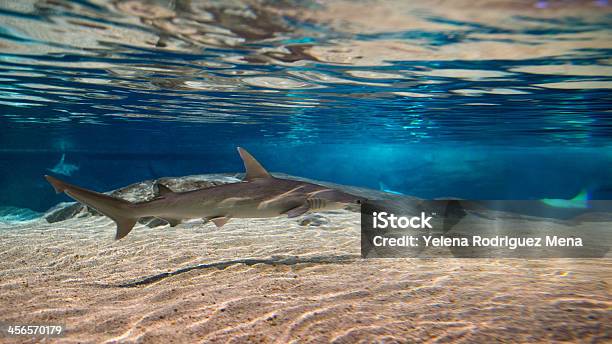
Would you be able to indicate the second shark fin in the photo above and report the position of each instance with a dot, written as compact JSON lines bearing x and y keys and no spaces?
{"x":253,"y":168}
{"x":162,"y":189}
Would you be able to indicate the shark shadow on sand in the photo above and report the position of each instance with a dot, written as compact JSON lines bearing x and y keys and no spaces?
{"x":274,"y":261}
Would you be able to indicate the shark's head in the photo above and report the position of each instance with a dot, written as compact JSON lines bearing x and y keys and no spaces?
{"x":330,"y":199}
{"x":319,"y":197}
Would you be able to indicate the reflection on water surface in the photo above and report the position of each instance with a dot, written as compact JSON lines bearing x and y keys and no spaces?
{"x":315,"y":70}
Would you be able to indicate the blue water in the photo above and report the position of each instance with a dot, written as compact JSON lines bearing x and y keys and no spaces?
{"x":481,"y":100}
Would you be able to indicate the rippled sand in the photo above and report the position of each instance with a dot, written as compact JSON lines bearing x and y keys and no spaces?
{"x":274,"y":280}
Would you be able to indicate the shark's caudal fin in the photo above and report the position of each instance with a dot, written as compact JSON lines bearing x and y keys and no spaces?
{"x":118,"y":210}
{"x":253,"y":168}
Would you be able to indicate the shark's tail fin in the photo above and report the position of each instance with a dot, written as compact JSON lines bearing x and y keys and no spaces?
{"x":120,"y":211}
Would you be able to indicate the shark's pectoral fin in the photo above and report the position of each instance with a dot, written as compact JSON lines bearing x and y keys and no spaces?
{"x":297,"y":211}
{"x":220,"y":221}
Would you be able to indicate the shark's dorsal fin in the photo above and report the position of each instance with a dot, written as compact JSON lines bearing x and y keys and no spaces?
{"x":253,"y":168}
{"x":162,"y":189}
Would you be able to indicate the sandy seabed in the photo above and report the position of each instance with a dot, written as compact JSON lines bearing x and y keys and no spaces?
{"x":274,"y":280}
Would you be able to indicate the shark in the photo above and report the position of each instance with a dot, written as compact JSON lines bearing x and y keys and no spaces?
{"x":258,"y":195}
{"x":62,"y":167}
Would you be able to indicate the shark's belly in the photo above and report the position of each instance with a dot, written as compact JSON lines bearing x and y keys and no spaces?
{"x":260,"y":209}
{"x":235,"y":207}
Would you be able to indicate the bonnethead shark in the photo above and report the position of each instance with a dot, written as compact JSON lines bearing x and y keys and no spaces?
{"x":258,"y":195}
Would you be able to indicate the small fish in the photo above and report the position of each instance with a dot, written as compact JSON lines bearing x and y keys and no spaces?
{"x":259,"y":195}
